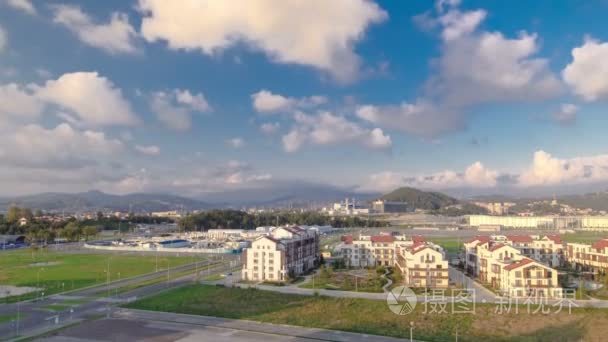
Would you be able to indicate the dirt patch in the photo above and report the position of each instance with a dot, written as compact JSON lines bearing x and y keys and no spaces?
{"x":44,"y":264}
{"x":10,"y":290}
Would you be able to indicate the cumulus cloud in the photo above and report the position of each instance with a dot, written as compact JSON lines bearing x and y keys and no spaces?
{"x":475,"y":67}
{"x":175,"y":108}
{"x":151,"y":150}
{"x":82,"y":98}
{"x":22,"y":5}
{"x":115,"y":37}
{"x":476,"y":176}
{"x":326,"y":128}
{"x":314,"y":33}
{"x":566,"y":114}
{"x":270,"y":127}
{"x":17,"y":103}
{"x":549,"y":170}
{"x":61,"y":147}
{"x":230,"y":175}
{"x":90,"y":98}
{"x":423,"y":118}
{"x":235,"y":142}
{"x":587,"y":74}
{"x":265,"y":101}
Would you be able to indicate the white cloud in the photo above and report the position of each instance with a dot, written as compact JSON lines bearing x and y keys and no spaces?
{"x":456,"y":23}
{"x":587,"y":74}
{"x":196,"y":102}
{"x":326,"y":128}
{"x":270,"y":127}
{"x":422,"y":119}
{"x":549,"y":170}
{"x":18,"y":103}
{"x":566,"y":113}
{"x":175,"y":108}
{"x":91,"y":98}
{"x":476,"y":176}
{"x":475,"y":67}
{"x":151,"y":150}
{"x":116,"y":36}
{"x":22,"y":5}
{"x":265,"y":101}
{"x":314,"y":33}
{"x":62,"y":147}
{"x":236,"y":142}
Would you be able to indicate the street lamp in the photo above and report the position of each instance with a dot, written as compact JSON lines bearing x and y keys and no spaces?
{"x":411,"y":331}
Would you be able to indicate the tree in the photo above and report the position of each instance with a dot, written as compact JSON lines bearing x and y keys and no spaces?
{"x":14,"y":214}
{"x":89,"y":231}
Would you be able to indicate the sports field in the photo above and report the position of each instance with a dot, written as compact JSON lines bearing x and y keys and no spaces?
{"x":57,"y":271}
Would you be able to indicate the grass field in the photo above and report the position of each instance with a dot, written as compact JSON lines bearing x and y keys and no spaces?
{"x":452,"y":245}
{"x":58,"y":272}
{"x":584,"y":237}
{"x":374,"y":317}
{"x":362,"y":280}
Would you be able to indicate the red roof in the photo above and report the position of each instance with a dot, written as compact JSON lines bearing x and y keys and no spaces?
{"x":496,"y":246}
{"x":480,"y":238}
{"x":601,"y":244}
{"x":517,"y":264}
{"x":383,"y":238}
{"x":347,"y":239}
{"x":520,"y":238}
{"x":420,"y":248}
{"x":555,"y":238}
{"x":418,"y":238}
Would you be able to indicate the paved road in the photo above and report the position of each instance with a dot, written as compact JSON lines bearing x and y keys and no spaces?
{"x":36,"y":317}
{"x":132,"y":325}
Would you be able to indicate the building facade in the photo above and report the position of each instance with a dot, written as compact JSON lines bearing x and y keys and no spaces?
{"x":589,"y":257}
{"x":284,"y":253}
{"x":422,"y":265}
{"x":506,"y":264}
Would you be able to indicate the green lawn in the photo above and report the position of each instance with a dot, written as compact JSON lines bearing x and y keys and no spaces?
{"x":374,"y":317}
{"x":344,"y":280}
{"x":584,"y":237}
{"x":451,"y":245}
{"x":58,"y":272}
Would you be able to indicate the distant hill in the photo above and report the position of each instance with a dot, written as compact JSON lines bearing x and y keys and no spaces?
{"x":97,"y":200}
{"x":427,"y":200}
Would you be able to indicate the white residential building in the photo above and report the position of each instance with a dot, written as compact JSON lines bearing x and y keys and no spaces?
{"x":423,"y":265}
{"x":589,"y":257}
{"x":285,"y":252}
{"x":505,"y":263}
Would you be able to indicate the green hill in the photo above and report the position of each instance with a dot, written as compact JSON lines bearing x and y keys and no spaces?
{"x":419,"y":199}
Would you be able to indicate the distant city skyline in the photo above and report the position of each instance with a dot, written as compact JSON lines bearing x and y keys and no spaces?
{"x":467,"y":97}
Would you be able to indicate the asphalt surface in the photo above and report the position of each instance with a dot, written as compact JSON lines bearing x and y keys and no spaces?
{"x":137,"y":325}
{"x":52,"y":312}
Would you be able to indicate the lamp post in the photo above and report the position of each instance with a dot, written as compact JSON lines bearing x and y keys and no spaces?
{"x":411,"y":331}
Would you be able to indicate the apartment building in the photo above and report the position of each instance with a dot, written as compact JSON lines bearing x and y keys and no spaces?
{"x":283,"y":253}
{"x":422,"y":265}
{"x":376,"y":250}
{"x":529,"y":278}
{"x":504,"y":263}
{"x":589,"y":257}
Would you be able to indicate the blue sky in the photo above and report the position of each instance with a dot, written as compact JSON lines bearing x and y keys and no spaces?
{"x":150,"y":95}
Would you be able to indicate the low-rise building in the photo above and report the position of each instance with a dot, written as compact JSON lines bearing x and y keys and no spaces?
{"x":589,"y":257}
{"x":284,"y":253}
{"x":506,"y":263}
{"x":423,"y":265}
